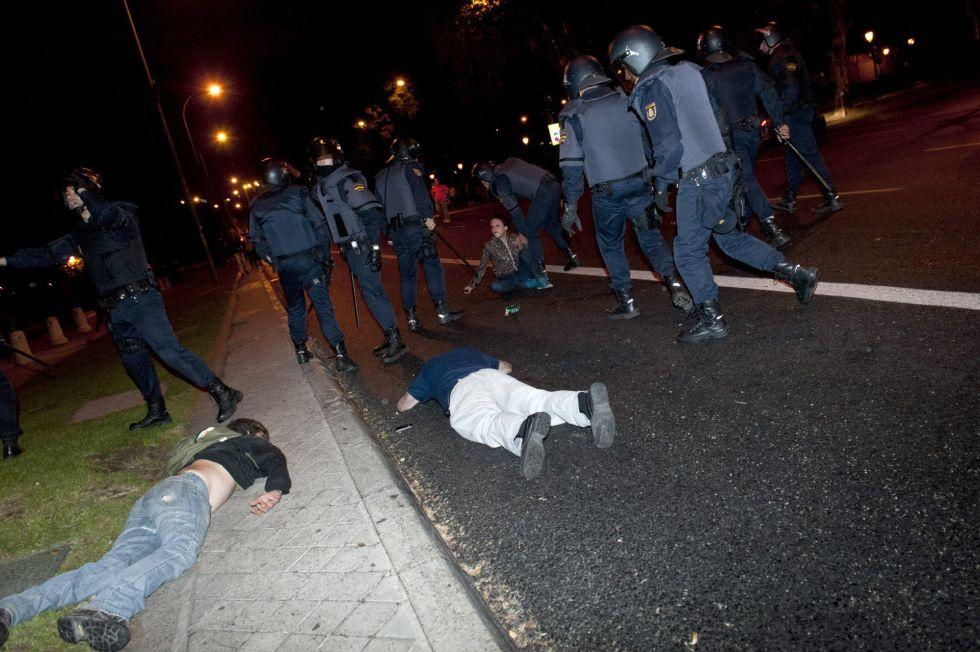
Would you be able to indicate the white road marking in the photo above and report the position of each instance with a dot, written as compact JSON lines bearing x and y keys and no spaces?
{"x":871,"y":133}
{"x":849,"y":192}
{"x":939,"y":149}
{"x":774,"y":158}
{"x":886,"y":293}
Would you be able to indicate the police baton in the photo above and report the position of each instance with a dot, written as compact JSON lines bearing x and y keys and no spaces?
{"x":796,"y":152}
{"x":353,"y":293}
{"x":7,"y":345}
{"x":453,"y":249}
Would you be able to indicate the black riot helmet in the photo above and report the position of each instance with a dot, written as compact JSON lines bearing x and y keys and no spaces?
{"x":405,"y":149}
{"x":321,"y":147}
{"x":713,"y":44}
{"x":636,"y":47}
{"x":483,"y":172}
{"x":771,"y":34}
{"x":86,"y":178}
{"x":274,"y":173}
{"x":583,"y":72}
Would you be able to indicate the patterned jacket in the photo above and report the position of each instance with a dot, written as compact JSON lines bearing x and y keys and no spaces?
{"x":503,"y":253}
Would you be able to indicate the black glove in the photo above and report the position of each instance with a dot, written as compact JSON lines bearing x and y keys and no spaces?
{"x":661,"y":199}
{"x":375,"y":258}
{"x":654,"y":218}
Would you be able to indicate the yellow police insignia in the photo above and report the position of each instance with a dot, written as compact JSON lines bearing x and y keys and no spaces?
{"x":358,"y":187}
{"x":790,"y":66}
{"x":651,"y":111}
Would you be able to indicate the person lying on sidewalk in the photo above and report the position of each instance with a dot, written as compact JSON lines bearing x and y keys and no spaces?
{"x":512,"y":264}
{"x":486,"y":405}
{"x":162,"y":536}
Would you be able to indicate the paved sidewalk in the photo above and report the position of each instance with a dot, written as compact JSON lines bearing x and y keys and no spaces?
{"x":344,"y":562}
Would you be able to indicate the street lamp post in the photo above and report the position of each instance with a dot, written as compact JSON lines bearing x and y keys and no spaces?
{"x":154,"y":91}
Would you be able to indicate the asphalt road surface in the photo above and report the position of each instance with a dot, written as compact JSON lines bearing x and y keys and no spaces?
{"x":809,"y":483}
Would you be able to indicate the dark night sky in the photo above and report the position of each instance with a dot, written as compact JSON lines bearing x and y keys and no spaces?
{"x":296,"y":69}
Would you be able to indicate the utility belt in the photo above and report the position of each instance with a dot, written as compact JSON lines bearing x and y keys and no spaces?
{"x":400,"y":222}
{"x":716,"y":166}
{"x":113,"y":298}
{"x":306,"y":254}
{"x":603,"y":188}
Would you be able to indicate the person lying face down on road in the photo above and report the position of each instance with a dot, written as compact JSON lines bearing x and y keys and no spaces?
{"x":486,"y":405}
{"x":162,"y":536}
{"x":512,"y":264}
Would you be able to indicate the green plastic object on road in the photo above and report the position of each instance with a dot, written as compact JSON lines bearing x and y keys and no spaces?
{"x":511,"y":310}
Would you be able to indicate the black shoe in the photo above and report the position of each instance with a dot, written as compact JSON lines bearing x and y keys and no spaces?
{"x":787,"y":204}
{"x":625,"y":307}
{"x":226,"y":398}
{"x":303,"y":354}
{"x":601,"y":415}
{"x":344,"y":362}
{"x":774,"y":235}
{"x":5,"y":619}
{"x":396,"y":348}
{"x":679,"y":296}
{"x":11,"y":450}
{"x":831,"y":205}
{"x":156,"y":412}
{"x":711,"y":325}
{"x":571,"y":260}
{"x":803,"y":279}
{"x":102,"y":631}
{"x":533,"y":432}
{"x":382,"y":348}
{"x":445,"y":314}
{"x":413,"y":325}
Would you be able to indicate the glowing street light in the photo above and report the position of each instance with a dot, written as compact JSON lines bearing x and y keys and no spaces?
{"x":361,"y":124}
{"x":564,"y":101}
{"x":400,"y":83}
{"x":459,"y":166}
{"x":214,"y":90}
{"x":221,"y":136}
{"x":526,"y":140}
{"x":911,"y":41}
{"x":197,"y":200}
{"x":234,"y":192}
{"x":886,"y":51}
{"x":215,"y":205}
{"x":869,"y":36}
{"x":523,"y":119}
{"x":183,"y":203}
{"x":234,"y":181}
{"x":237,"y":205}
{"x":432,"y":176}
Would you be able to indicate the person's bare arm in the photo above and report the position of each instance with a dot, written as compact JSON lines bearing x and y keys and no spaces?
{"x":504,"y":367}
{"x":406,"y":403}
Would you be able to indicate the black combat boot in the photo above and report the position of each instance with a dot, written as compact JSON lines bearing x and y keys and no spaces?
{"x":382,"y":348}
{"x":303,"y":354}
{"x":571,"y":260}
{"x":775,"y":236}
{"x":787,"y":204}
{"x":803,"y":279}
{"x":413,"y":324}
{"x":594,"y":404}
{"x":625,"y":308}
{"x":226,"y":398}
{"x":396,"y":347}
{"x":102,"y":631}
{"x":532,"y":435}
{"x":711,"y":325}
{"x":831,"y":204}
{"x":156,"y":412}
{"x":445,"y":314}
{"x":344,"y":362}
{"x":11,"y":449}
{"x":679,"y":296}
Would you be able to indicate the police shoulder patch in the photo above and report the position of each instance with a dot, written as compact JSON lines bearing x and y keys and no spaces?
{"x":359,"y":187}
{"x":651,"y":111}
{"x":563,"y":137}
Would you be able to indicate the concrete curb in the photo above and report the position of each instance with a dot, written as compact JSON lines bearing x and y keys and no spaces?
{"x":447,"y":604}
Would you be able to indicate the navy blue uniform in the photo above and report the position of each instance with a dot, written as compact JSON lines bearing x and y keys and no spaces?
{"x":402,"y":190}
{"x":289,"y":230}
{"x":355,"y":220}
{"x":673,"y":104}
{"x":602,"y":141}
{"x":737,"y":84}
{"x":517,"y":178}
{"x":792,"y":81}
{"x":110,"y":245}
{"x":9,"y":412}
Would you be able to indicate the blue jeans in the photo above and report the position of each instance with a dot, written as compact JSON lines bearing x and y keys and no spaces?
{"x":9,"y":421}
{"x":301,"y":273}
{"x":542,"y":215}
{"x":370,"y":283}
{"x":522,"y":279}
{"x":161,"y":539}
{"x":611,"y":208}
{"x":697,"y":199}
{"x":408,"y":246}
{"x":746,"y":146}
{"x":140,"y":322}
{"x":801,"y":134}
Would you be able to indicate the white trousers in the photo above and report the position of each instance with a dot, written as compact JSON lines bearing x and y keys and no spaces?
{"x":488,"y":407}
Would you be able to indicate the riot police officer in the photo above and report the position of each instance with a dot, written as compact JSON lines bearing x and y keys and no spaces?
{"x":289,"y":231}
{"x":788,"y":69}
{"x":673,"y":104}
{"x":602,"y":141}
{"x":355,"y":219}
{"x":10,"y":430}
{"x":401,"y":188}
{"x":517,"y":178}
{"x":736,"y":83}
{"x":108,"y":240}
